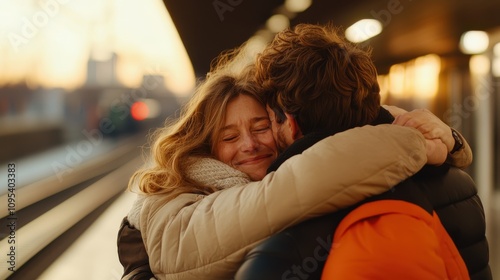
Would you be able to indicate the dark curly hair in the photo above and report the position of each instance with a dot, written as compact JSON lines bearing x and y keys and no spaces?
{"x":326,"y":82}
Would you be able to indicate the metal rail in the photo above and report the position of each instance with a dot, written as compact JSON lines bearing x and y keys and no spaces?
{"x":52,"y":184}
{"x":21,"y":244}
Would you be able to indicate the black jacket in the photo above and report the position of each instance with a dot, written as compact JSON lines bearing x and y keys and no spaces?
{"x":300,"y":252}
{"x":132,"y":253}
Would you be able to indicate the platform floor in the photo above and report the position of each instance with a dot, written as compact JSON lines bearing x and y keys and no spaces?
{"x":93,"y":256}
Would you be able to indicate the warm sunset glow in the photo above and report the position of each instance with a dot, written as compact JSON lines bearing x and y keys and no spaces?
{"x":49,"y":43}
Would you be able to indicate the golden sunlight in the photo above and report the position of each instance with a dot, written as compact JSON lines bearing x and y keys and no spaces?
{"x":50,"y":43}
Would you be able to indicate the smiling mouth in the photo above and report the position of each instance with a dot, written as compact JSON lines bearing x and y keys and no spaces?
{"x":254,"y":159}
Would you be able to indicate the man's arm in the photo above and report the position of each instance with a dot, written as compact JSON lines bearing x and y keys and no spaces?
{"x":132,"y":253}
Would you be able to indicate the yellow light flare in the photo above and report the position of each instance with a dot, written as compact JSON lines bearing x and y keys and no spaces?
{"x":397,"y":81}
{"x":297,"y":6}
{"x":363,"y":30}
{"x":383,"y":82}
{"x":427,"y":69}
{"x":474,"y":42}
{"x":479,"y":64}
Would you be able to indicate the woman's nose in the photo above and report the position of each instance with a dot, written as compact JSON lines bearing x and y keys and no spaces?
{"x":250,"y":142}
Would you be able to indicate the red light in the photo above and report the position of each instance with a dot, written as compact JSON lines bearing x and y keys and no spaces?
{"x":139,"y":111}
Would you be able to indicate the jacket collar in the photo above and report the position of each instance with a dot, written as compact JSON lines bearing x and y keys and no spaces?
{"x":296,"y":148}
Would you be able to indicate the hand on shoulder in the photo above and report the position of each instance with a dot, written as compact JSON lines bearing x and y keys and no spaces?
{"x":439,"y":140}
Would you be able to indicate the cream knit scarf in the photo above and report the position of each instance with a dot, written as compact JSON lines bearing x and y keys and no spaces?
{"x":207,"y":171}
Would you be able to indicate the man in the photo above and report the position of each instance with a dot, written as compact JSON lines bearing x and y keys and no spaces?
{"x":129,"y":243}
{"x":318,"y":84}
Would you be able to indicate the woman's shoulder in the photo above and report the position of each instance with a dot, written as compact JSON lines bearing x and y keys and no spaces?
{"x":161,"y":209}
{"x":156,"y":202}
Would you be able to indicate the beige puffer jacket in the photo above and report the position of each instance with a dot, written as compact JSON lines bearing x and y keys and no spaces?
{"x":206,"y":237}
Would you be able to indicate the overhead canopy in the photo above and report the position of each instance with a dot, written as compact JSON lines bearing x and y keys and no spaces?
{"x":411,"y":27}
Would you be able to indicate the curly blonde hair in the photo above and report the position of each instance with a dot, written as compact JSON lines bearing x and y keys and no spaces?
{"x":193,"y":133}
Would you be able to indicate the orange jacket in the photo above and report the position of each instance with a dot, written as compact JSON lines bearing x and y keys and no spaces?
{"x":392,"y":239}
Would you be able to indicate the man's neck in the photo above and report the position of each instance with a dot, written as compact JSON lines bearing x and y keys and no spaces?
{"x":296,"y":148}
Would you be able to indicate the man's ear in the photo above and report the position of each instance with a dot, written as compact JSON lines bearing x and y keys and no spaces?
{"x":292,"y":124}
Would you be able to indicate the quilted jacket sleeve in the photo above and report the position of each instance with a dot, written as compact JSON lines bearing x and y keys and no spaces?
{"x":208,"y":236}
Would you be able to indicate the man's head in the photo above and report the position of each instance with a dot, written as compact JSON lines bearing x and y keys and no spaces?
{"x":315,"y":79}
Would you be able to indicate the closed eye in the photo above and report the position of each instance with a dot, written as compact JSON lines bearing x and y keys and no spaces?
{"x":262,"y":129}
{"x":262,"y":125}
{"x":229,"y":138}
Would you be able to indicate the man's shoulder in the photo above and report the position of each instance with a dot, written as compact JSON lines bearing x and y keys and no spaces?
{"x":445,"y":184}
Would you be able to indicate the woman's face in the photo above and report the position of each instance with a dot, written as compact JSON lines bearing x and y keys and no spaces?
{"x":246,"y":141}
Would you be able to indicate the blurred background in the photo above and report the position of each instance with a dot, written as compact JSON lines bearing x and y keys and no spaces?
{"x":83,"y":83}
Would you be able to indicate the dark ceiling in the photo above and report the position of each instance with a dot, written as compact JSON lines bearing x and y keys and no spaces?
{"x":411,"y":27}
